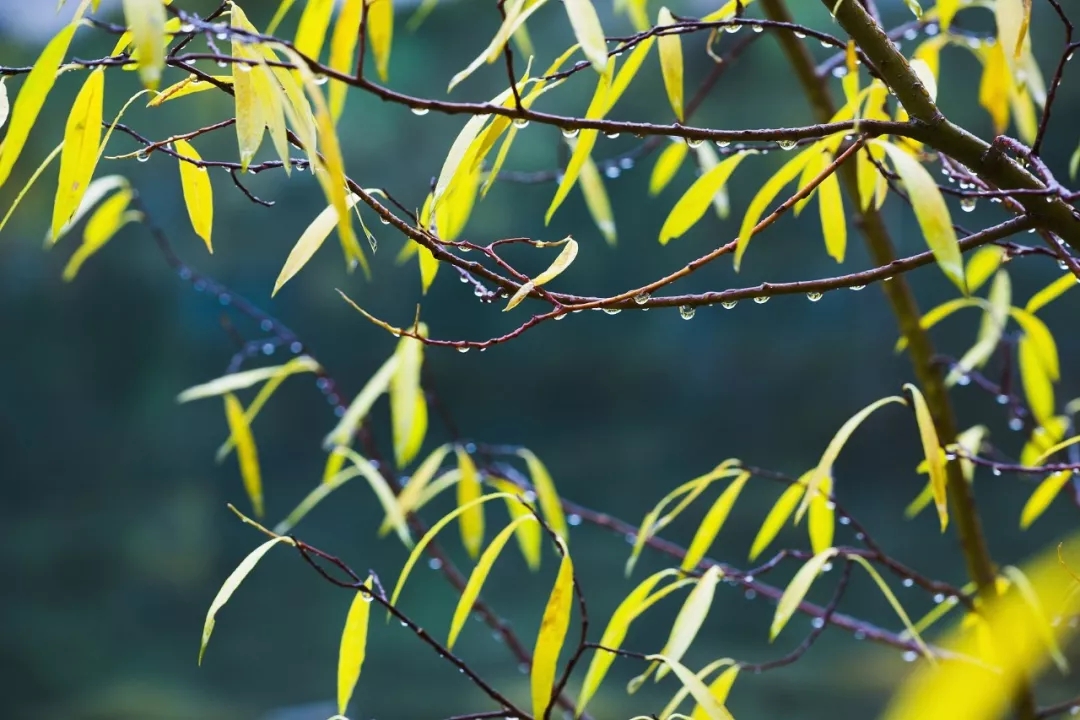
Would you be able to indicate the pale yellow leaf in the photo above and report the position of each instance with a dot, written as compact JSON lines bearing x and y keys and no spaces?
{"x":311,"y":31}
{"x":587,"y":30}
{"x":82,"y":138}
{"x":310,"y":241}
{"x":468,"y":489}
{"x":569,"y":252}
{"x":104,"y":223}
{"x":691,"y":617}
{"x":95,"y":192}
{"x":198,"y":194}
{"x":629,"y":70}
{"x":667,"y":164}
{"x":146,"y":20}
{"x":696,"y":200}
{"x":343,"y":432}
{"x":529,"y":536}
{"x":598,"y":106}
{"x":778,"y":516}
{"x":934,"y":455}
{"x":395,"y":517}
{"x":546,"y":494}
{"x":188,"y":86}
{"x":797,"y":589}
{"x":670,"y":710}
{"x":380,"y":27}
{"x":1042,"y":340}
{"x":912,"y":632}
{"x":549,"y":640}
{"x":1043,"y":626}
{"x":353,"y":646}
{"x":768,"y":192}
{"x":712,"y":523}
{"x":245,"y":379}
{"x":596,"y":200}
{"x":342,"y":49}
{"x":719,"y":688}
{"x":671,"y":63}
{"x":408,"y":406}
{"x":517,"y":12}
{"x":335,"y":478}
{"x":983,"y":264}
{"x":833,"y":221}
{"x":246,"y":454}
{"x":251,"y":115}
{"x":713,"y":709}
{"x":1036,"y":380}
{"x":5,"y":106}
{"x":409,"y":497}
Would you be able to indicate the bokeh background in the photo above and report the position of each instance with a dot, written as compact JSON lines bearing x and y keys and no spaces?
{"x":115,"y":532}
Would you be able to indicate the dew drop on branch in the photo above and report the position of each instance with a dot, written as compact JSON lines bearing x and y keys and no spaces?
{"x":686,"y":312}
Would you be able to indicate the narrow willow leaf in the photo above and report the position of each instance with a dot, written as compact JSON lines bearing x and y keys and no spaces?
{"x":353,"y":647}
{"x":569,"y":252}
{"x":713,"y":522}
{"x":990,"y":330}
{"x":82,"y":138}
{"x":279,"y":15}
{"x":598,"y":107}
{"x":380,"y":26}
{"x":1045,"y":435}
{"x":934,"y":455}
{"x":343,"y":432}
{"x":779,"y":514}
{"x":310,"y":241}
{"x":529,"y":536}
{"x":931,"y":212}
{"x":1043,"y":627}
{"x":589,"y":33}
{"x":445,"y":481}
{"x":720,"y":688}
{"x":107,"y":220}
{"x":342,"y":49}
{"x":671,"y":63}
{"x":459,"y":149}
{"x":517,"y":12}
{"x":24,"y":112}
{"x":670,"y":710}
{"x":230,"y":585}
{"x":479,"y":575}
{"x":833,"y":221}
{"x":383,"y":493}
{"x":29,"y":184}
{"x":1042,"y":340}
{"x":713,"y":709}
{"x":146,"y":20}
{"x":246,"y":454}
{"x":828,"y":458}
{"x":316,"y":496}
{"x":1043,"y":495}
{"x":1038,"y":387}
{"x":939,"y":313}
{"x":822,"y":517}
{"x":549,"y":640}
{"x":241,"y":380}
{"x":546,"y":494}
{"x":629,"y":70}
{"x":983,"y":264}
{"x":596,"y":200}
{"x":198,"y":194}
{"x":188,"y":86}
{"x":1057,"y":447}
{"x":408,"y":407}
{"x":311,"y":31}
{"x":251,"y":116}
{"x":1051,"y":292}
{"x":691,"y":617}
{"x":95,"y":193}
{"x":772,"y":187}
{"x":695,"y":201}
{"x":667,"y":164}
{"x":468,"y":489}
{"x":614,"y":634}
{"x":708,"y":159}
{"x":409,"y":497}
{"x":797,"y":589}
{"x":912,"y":632}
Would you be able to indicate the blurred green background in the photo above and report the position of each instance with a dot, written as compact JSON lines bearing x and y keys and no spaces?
{"x":115,"y":532}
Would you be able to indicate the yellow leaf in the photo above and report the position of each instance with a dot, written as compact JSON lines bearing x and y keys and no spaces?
{"x":395,"y":516}
{"x":931,"y":212}
{"x":546,"y":494}
{"x":1041,"y":339}
{"x":772,"y":187}
{"x":560,"y":263}
{"x":459,"y":154}
{"x":596,"y":199}
{"x":517,"y":12}
{"x":240,"y":380}
{"x":146,"y":19}
{"x":1043,"y":627}
{"x":939,"y":313}
{"x":333,"y":478}
{"x":995,"y":86}
{"x":342,"y":48}
{"x":95,"y":192}
{"x":1058,"y":447}
{"x":671,"y":63}
{"x":408,"y":407}
{"x":311,"y":32}
{"x":828,"y":458}
{"x":409,"y":497}
{"x":690,"y":618}
{"x":797,"y":589}
{"x":628,"y":71}
{"x":778,"y":516}
{"x":990,"y":330}
{"x":598,"y":106}
{"x":468,"y":489}
{"x":250,"y":114}
{"x":106,"y":221}
{"x":188,"y":86}
{"x":934,"y":455}
{"x":549,"y":640}
{"x":667,"y":164}
{"x":231,"y":583}
{"x":282,"y":11}
{"x":1049,"y":432}
{"x":712,"y":523}
{"x":353,"y":645}
{"x":1051,"y":292}
{"x":1043,"y":495}
{"x":528,"y":535}
{"x":822,"y":517}
{"x":39,"y":81}
{"x":343,"y":432}
{"x":679,"y":697}
{"x":833,"y":221}
{"x":713,"y":709}
{"x":479,"y":575}
{"x":198,"y":194}
{"x":82,"y":138}
{"x":380,"y":26}
{"x":719,"y":689}
{"x":1036,"y":380}
{"x":912,"y":632}
{"x":696,"y":200}
{"x":984,"y":262}
{"x":614,"y":634}
{"x":310,"y":241}
{"x":587,"y":30}
{"x":707,"y":160}
{"x":240,"y":432}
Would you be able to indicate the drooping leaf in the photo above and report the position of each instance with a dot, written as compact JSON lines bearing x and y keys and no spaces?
{"x":409,"y":497}
{"x":671,"y":63}
{"x":95,"y":192}
{"x":598,"y":107}
{"x":695,"y":201}
{"x":395,"y":517}
{"x":772,"y":187}
{"x":1042,"y":340}
{"x":596,"y":200}
{"x":797,"y":589}
{"x":380,"y":27}
{"x":691,"y":617}
{"x":529,"y":536}
{"x":342,"y":49}
{"x":78,"y":159}
{"x":343,"y":432}
{"x":1043,"y":627}
{"x":546,"y":494}
{"x":934,"y":455}
{"x":1051,"y":292}
{"x":188,"y":86}
{"x":667,"y":164}
{"x":1038,"y":387}
{"x":670,"y":710}
{"x":310,"y":241}
{"x":198,"y":193}
{"x":569,"y":252}
{"x":629,"y":70}
{"x":109,"y":217}
{"x":231,"y":583}
{"x":549,"y":640}
{"x":833,"y":221}
{"x":246,"y":454}
{"x":331,"y":482}
{"x":408,"y":406}
{"x":912,"y":632}
{"x":517,"y":12}
{"x":698,"y":690}
{"x":1043,"y":495}
{"x":353,"y":646}
{"x":468,"y":489}
{"x":821,"y":521}
{"x":719,"y":689}
{"x":587,"y":30}
{"x":311,"y":31}
{"x":712,"y":523}
{"x":778,"y":516}
{"x":146,"y":20}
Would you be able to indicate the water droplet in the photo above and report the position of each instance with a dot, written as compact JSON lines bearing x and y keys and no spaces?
{"x":857,"y":288}
{"x":322,"y":384}
{"x":749,"y":578}
{"x":142,"y":156}
{"x":728,"y":304}
{"x":520,"y":123}
{"x":611,"y":135}
{"x":750,"y":594}
{"x":1002,"y":399}
{"x":908,"y":582}
{"x":800,"y":35}
{"x":860,"y":635}
{"x":733,"y":28}
{"x":560,"y":316}
{"x":839,"y":71}
{"x":222,"y":35}
{"x":967,"y":204}
{"x":825,"y":43}
{"x":844,"y":520}
{"x":612,"y":311}
{"x":243,"y":67}
{"x":463,"y":349}
{"x":1074,"y":710}
{"x":296,"y":348}
{"x":817,"y":623}
{"x":813,"y":296}
{"x":573,"y":519}
{"x":761,"y":299}
{"x":939,"y":598}
{"x":911,"y":34}
{"x":434,"y":563}
{"x":826,"y":567}
{"x":995,"y":471}
{"x":910,"y":656}
{"x":612,"y":171}
{"x":723,"y":144}
{"x":757,"y":28}
{"x":222,"y":64}
{"x":320,"y":79}
{"x":1016,"y":424}
{"x":641,"y":298}
{"x":268,"y":348}
{"x":686,"y":311}
{"x":187,"y":27}
{"x":420,"y":111}
{"x":570,"y":132}
{"x":963,"y":380}
{"x":786,"y":144}
{"x":694,"y":142}
{"x":626,"y":163}
{"x":266,"y":325}
{"x":931,"y":30}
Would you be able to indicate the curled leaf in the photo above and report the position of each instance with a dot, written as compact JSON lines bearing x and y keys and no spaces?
{"x":562,"y":262}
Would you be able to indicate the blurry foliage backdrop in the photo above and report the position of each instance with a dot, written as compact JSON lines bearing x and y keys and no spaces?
{"x":115,"y":533}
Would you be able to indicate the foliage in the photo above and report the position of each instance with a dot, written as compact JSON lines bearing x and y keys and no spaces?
{"x":880,"y":143}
